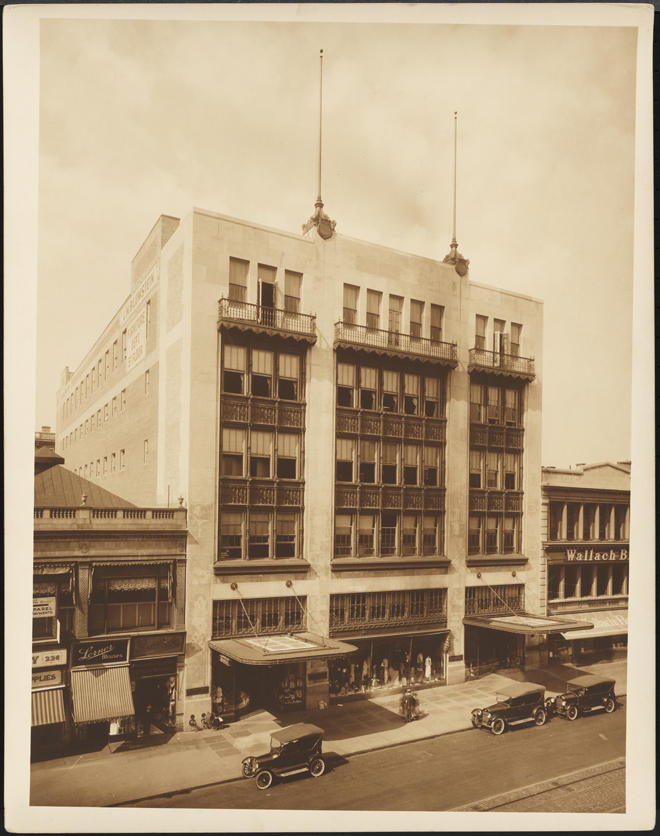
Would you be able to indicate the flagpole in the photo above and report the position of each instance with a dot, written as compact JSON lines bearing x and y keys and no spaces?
{"x":318,"y":199}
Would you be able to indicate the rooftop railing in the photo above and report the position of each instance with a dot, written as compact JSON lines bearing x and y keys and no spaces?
{"x":395,"y":341}
{"x":230,"y":310}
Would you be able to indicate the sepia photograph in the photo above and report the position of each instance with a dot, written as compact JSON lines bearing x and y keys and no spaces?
{"x":332,"y":331}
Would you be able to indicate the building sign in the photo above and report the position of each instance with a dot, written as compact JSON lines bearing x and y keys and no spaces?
{"x":163,"y":645}
{"x":44,"y":607}
{"x":591,"y":555}
{"x":46,"y":679}
{"x":138,"y":297}
{"x":48,"y":657}
{"x":106,"y":652}
{"x":136,"y":338}
{"x":163,"y":666}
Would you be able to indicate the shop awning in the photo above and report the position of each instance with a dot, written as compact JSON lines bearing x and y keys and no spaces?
{"x":101,"y":694}
{"x":406,"y":634}
{"x":604,"y":623}
{"x":47,"y":707}
{"x":525,"y":624}
{"x":277,"y":650}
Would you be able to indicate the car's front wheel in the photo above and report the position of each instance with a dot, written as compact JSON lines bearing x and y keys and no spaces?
{"x":264,"y":779}
{"x":572,"y":712}
{"x":317,"y":767}
{"x":610,"y":705}
{"x":247,"y":771}
{"x":540,"y":717}
{"x":498,"y":726}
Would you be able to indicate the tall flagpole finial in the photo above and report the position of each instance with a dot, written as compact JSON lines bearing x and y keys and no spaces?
{"x":454,"y":257}
{"x":319,"y":219}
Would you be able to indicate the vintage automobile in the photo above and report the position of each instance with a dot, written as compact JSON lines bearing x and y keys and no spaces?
{"x":519,"y":702}
{"x":293,"y":749}
{"x":585,"y":693}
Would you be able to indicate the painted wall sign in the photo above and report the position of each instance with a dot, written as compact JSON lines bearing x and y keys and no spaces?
{"x":48,"y":657}
{"x":140,"y":294}
{"x":163,"y":666}
{"x":44,"y":607}
{"x":46,"y":679}
{"x":136,"y":338}
{"x":104,"y":652}
{"x":591,"y":555}
{"x":163,"y":645}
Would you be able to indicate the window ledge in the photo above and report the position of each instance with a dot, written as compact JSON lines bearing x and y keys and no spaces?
{"x":497,"y":560}
{"x":385,"y":564}
{"x":265,"y":566}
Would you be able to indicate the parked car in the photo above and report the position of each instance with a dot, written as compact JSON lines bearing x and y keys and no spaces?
{"x":293,"y":749}
{"x":519,"y":702}
{"x":585,"y":693}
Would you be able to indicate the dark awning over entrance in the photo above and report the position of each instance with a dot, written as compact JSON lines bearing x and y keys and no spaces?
{"x":276,"y":650}
{"x":525,"y":624}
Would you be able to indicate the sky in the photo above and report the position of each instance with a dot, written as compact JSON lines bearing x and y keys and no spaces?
{"x":140,"y":118}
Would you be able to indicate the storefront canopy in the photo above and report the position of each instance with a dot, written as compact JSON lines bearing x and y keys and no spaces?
{"x":101,"y":694}
{"x":525,"y":624}
{"x":275,"y":650}
{"x":47,"y":707}
{"x":604,"y":623}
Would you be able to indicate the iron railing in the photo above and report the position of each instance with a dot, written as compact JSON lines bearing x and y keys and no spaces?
{"x":480,"y":357}
{"x":276,"y":318}
{"x":394,"y":341}
{"x":484,"y":600}
{"x":370,"y":610}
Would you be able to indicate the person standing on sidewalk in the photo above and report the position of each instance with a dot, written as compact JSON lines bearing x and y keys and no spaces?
{"x":148,"y":716}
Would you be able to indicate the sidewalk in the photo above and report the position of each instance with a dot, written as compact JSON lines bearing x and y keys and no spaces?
{"x":170,"y":763}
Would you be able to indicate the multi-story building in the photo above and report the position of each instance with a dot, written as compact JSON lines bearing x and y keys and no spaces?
{"x":108,"y":630}
{"x":356,"y":432}
{"x":585,"y":526}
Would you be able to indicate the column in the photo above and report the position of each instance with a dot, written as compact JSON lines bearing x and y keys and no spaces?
{"x":626,"y":525}
{"x":611,"y":528}
{"x":180,"y":594}
{"x":597,"y":522}
{"x":581,"y":523}
{"x":564,"y":521}
{"x":80,"y":618}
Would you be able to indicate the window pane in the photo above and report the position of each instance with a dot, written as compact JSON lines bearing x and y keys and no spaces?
{"x":287,"y":445}
{"x":345,"y":374}
{"x":262,"y":361}
{"x":235,"y":357}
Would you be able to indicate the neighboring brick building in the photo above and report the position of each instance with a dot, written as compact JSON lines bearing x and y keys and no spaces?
{"x":108,"y":633}
{"x":585,"y":528}
{"x":356,"y":433}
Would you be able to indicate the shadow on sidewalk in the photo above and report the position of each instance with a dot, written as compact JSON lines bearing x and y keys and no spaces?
{"x":363,"y":718}
{"x":553,"y":678}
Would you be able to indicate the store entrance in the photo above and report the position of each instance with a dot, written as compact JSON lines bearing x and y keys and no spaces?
{"x":155,"y":705}
{"x":490,"y":650}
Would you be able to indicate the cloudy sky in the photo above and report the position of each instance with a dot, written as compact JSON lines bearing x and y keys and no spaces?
{"x":143,"y":118}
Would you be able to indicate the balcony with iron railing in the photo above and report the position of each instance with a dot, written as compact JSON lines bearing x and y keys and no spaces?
{"x":262,"y":319}
{"x":500,"y":363}
{"x":393,"y":343}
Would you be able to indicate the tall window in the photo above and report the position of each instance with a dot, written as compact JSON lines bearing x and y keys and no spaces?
{"x":345,"y":384}
{"x":350,"y":304}
{"x":511,"y":407}
{"x":368,"y":387}
{"x":124,"y":343}
{"x":416,"y":316}
{"x":343,"y":535}
{"x":411,"y":394}
{"x":367,"y":461}
{"x":410,"y":464}
{"x":345,"y":458}
{"x":432,"y":397}
{"x":106,"y":411}
{"x":233,"y":450}
{"x":287,"y":456}
{"x":366,"y":534}
{"x":373,"y":308}
{"x":105,"y":465}
{"x":115,"y":356}
{"x":480,"y":333}
{"x":396,"y":306}
{"x":107,"y":363}
{"x":261,"y":446}
{"x":86,"y":386}
{"x":123,"y":400}
{"x":262,"y":373}
{"x":492,"y":469}
{"x":494,"y":395}
{"x":148,"y":316}
{"x":238,"y":274}
{"x":122,"y":459}
{"x":285,"y":535}
{"x":113,"y":462}
{"x":516,"y":333}
{"x":288,"y":376}
{"x":389,"y":463}
{"x":476,"y":469}
{"x":492,"y":534}
{"x":234,"y":369}
{"x":146,"y":382}
{"x":476,"y":403}
{"x":409,"y":534}
{"x":231,"y":535}
{"x":259,"y":535}
{"x":292,"y":283}
{"x":511,"y":471}
{"x":114,"y":406}
{"x":431,"y":466}
{"x":388,"y":534}
{"x":390,"y":391}
{"x":437,"y":315}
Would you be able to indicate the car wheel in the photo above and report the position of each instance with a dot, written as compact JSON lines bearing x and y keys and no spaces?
{"x":610,"y":705}
{"x":246,"y":770}
{"x":572,"y":712}
{"x":264,"y":779}
{"x":498,"y":726}
{"x":474,"y":723}
{"x":317,"y":767}
{"x":540,"y":717}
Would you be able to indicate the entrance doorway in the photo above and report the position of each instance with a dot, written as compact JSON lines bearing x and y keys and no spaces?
{"x":267,"y":302}
{"x":155,"y":704}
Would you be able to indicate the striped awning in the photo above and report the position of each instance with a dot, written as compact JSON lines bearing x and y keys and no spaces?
{"x":47,"y":707}
{"x":101,"y":694}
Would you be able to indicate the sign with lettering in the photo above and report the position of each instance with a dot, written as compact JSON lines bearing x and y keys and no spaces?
{"x":46,"y":679}
{"x":163,"y":645}
{"x":593,"y":555}
{"x":161,"y":666}
{"x":136,"y":338}
{"x":138,"y":297}
{"x":104,"y":652}
{"x":48,"y":657}
{"x":44,"y":607}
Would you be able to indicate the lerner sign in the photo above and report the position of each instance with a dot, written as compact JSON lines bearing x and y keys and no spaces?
{"x":591,"y":555}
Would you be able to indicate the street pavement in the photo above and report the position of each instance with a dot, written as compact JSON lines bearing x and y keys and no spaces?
{"x":166,"y":764}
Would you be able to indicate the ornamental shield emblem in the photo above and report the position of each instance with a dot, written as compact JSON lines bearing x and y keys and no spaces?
{"x":462,"y":266}
{"x":325,"y":228}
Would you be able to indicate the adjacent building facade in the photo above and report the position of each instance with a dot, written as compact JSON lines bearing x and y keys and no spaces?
{"x":585,"y":523}
{"x":356,"y":434}
{"x":108,"y":634}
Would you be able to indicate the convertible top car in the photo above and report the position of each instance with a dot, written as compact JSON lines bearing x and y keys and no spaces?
{"x":516,"y":703}
{"x":293,"y":749}
{"x":585,"y":693}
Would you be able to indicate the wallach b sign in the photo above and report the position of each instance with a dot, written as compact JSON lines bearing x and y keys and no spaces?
{"x":591,"y":555}
{"x":107,"y":652}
